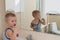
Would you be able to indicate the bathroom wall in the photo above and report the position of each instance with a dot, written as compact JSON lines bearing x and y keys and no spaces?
{"x":18,"y":15}
{"x":2,"y":13}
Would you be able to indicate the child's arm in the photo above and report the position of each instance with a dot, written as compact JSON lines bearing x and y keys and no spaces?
{"x":11,"y":35}
{"x":32,"y":25}
{"x":42,"y":21}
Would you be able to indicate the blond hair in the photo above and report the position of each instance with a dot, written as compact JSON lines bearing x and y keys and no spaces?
{"x":35,"y":12}
{"x":10,"y":14}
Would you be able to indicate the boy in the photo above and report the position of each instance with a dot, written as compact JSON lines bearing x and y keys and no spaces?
{"x":37,"y":21}
{"x":11,"y":30}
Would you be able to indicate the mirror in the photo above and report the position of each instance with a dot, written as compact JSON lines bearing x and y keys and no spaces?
{"x":44,"y":14}
{"x":49,"y":10}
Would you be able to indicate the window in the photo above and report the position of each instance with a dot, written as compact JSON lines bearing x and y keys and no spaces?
{"x":16,"y":5}
{"x":52,"y":6}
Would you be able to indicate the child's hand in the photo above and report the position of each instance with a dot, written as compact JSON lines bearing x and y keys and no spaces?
{"x":42,"y":20}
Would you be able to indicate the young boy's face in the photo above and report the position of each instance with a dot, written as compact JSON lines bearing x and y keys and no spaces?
{"x":37,"y":15}
{"x":11,"y":21}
